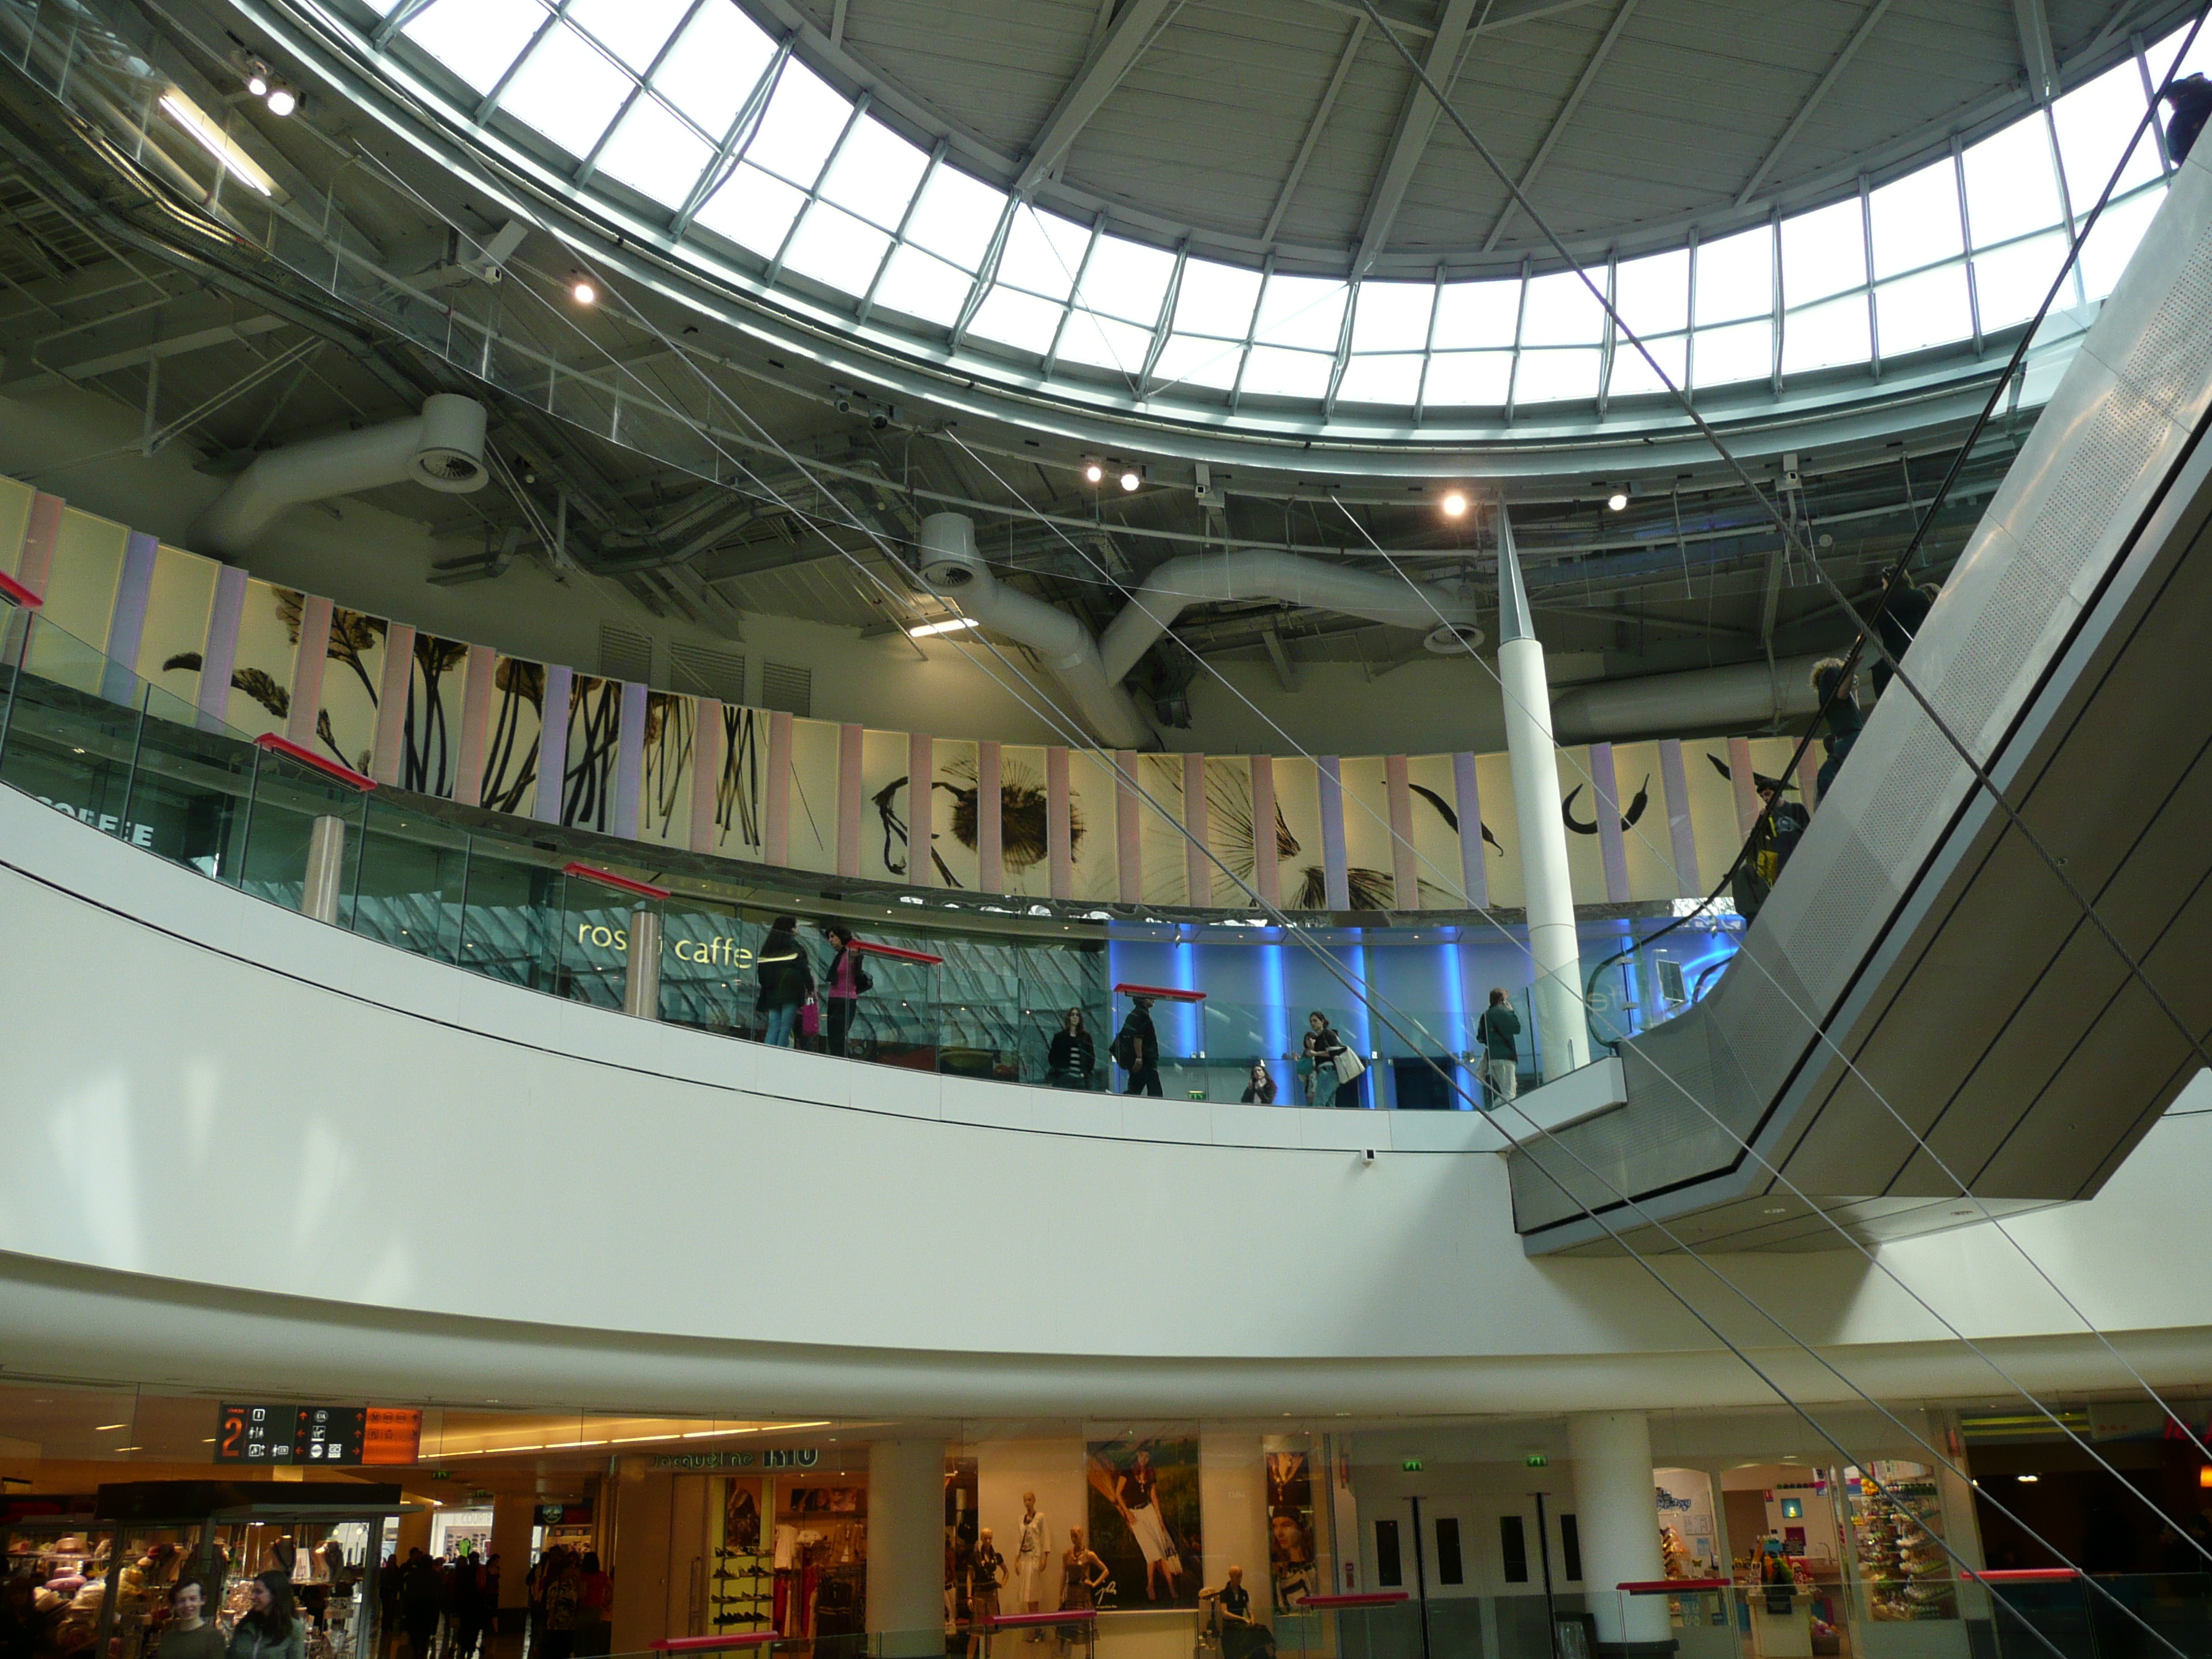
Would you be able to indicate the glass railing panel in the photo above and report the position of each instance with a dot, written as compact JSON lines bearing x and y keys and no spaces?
{"x":900,"y":1021}
{"x":67,"y":745}
{"x":191,"y":789}
{"x":707,"y":979}
{"x":411,"y":881}
{"x":592,"y":943}
{"x":289,"y":798}
{"x":510,"y":907}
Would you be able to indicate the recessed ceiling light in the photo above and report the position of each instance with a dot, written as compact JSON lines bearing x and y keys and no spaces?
{"x":282,"y":100}
{"x":949,"y":625}
{"x":2029,"y":1480}
{"x":1094,"y":472}
{"x":1454,"y":504}
{"x":258,"y":84}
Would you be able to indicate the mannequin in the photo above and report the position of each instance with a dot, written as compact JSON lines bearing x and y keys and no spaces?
{"x":1031,"y":1557}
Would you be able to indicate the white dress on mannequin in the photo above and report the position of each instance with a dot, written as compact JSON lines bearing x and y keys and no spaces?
{"x":1032,"y":1557}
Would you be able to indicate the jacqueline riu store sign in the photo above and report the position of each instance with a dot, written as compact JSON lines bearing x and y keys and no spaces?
{"x":796,"y":1457}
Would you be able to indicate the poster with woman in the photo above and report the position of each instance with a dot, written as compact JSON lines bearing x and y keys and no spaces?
{"x":1145,"y":1520}
{"x":1293,"y":1574}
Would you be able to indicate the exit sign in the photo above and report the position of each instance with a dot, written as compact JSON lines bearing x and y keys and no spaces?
{"x":1536,"y":1460}
{"x":1412,"y":1466}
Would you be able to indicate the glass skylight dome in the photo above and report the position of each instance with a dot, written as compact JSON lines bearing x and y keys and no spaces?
{"x":753,"y":165}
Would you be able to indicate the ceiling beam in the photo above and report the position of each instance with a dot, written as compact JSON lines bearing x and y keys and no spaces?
{"x":1417,"y":120}
{"x":2036,"y":54}
{"x":97,"y":351}
{"x":1560,"y":122}
{"x":1139,"y":24}
{"x":1820,"y":91}
{"x":1319,"y":120}
{"x":1505,"y":15}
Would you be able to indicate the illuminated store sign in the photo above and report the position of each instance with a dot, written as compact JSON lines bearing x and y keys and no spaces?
{"x":719,"y":951}
{"x":793,"y":1457}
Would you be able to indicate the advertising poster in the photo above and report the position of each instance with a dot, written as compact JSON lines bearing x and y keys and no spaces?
{"x":1145,"y":1521}
{"x":1293,"y":1570}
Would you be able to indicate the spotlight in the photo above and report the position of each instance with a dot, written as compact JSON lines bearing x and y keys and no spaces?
{"x":282,"y":100}
{"x":1094,"y":472}
{"x":257,"y":82}
{"x":1618,"y":501}
{"x":1454,"y":504}
{"x":583,"y":293}
{"x":951,"y":625}
{"x":1131,"y":478}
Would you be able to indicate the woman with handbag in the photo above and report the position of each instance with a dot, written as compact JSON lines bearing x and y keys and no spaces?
{"x":786,"y":980}
{"x":842,"y":987}
{"x":1317,"y":1058}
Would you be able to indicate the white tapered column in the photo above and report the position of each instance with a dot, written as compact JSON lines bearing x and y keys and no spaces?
{"x":1562,"y":1033}
{"x":1617,"y":1521}
{"x":906,"y":1548}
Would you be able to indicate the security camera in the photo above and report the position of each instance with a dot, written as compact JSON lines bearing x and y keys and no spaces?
{"x":1367,"y":1156}
{"x":882,"y":415}
{"x":840,"y":399}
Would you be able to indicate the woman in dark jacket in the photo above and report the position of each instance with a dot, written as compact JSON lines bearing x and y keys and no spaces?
{"x":1068,"y":1064}
{"x":271,"y":1628}
{"x":786,"y":979}
{"x":1844,"y":717}
{"x":1260,"y":1087}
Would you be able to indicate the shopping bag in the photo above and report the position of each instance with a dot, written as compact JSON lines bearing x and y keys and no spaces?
{"x":810,"y":1019}
{"x":1349,"y":1066}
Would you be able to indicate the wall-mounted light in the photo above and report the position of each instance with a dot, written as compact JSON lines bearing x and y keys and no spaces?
{"x":257,"y":80}
{"x":1454,"y":504}
{"x":949,"y":625}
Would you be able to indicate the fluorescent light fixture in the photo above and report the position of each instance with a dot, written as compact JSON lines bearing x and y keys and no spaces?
{"x":104,"y":1428}
{"x":949,"y":625}
{"x":218,"y":144}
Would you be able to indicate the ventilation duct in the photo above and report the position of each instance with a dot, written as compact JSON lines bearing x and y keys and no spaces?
{"x":1295,"y":580}
{"x":952,"y":565}
{"x":1739,"y":698}
{"x":441,"y":449}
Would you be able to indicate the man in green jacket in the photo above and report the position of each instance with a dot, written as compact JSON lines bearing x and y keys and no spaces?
{"x":1501,"y":1061}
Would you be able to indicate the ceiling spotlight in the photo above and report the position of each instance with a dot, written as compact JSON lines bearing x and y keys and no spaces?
{"x":583,"y":293}
{"x":1454,"y":504}
{"x":1618,"y":501}
{"x":1094,"y":472}
{"x":282,"y":100}
{"x":1131,"y":478}
{"x":949,"y":625}
{"x":257,"y":80}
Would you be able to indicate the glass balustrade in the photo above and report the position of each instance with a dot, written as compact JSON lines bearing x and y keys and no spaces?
{"x":556,"y":910}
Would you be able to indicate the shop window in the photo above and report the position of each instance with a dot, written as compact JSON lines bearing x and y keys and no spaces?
{"x":1570,"y":1548}
{"x":1513,"y":1546}
{"x":1450,"y":1568}
{"x":1388,"y":1572}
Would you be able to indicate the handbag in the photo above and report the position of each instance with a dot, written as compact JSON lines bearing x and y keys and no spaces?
{"x":1349,"y":1066}
{"x":810,"y":1018}
{"x":1305,"y":1066}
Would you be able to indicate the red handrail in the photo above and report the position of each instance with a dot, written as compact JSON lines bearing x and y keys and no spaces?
{"x":1372,"y":1599}
{"x":1670,"y":1586}
{"x":1173,"y":993}
{"x":713,"y":1644}
{"x":896,"y":953}
{"x":2025,"y":1575}
{"x":609,"y":878}
{"x":15,"y":593}
{"x":306,"y":756}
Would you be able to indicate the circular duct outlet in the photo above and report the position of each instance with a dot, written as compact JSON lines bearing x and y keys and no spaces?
{"x":451,"y":469}
{"x":449,"y":456}
{"x":1449,"y":638}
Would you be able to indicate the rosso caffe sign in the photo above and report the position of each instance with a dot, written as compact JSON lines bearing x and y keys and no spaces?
{"x":715,"y":952}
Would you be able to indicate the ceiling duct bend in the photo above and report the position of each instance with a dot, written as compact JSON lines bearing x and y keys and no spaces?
{"x":1447,"y":621}
{"x":442,"y":449}
{"x":954,"y":569}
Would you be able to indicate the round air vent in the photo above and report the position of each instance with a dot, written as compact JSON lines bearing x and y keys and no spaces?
{"x":1451,"y":639}
{"x":449,"y":468}
{"x":449,"y":455}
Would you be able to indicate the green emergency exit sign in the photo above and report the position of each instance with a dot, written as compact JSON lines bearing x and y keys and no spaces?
{"x":1412,"y":1466}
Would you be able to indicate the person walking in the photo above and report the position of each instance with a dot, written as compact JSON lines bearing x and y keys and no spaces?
{"x":2191,"y":98}
{"x":842,"y":987}
{"x":1069,"y":1062}
{"x":1840,"y":697}
{"x":1774,"y":837}
{"x":786,"y":979}
{"x":271,"y":1628}
{"x":1137,"y":1050}
{"x":1898,"y":624}
{"x":420,"y":1596}
{"x":1494,"y":1033}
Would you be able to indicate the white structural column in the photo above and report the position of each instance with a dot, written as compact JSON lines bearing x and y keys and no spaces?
{"x":906,"y":1548}
{"x":1617,"y":1522}
{"x":1562,"y":1034}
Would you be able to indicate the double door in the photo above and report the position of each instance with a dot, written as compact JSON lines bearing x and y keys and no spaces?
{"x":1485,"y":1576}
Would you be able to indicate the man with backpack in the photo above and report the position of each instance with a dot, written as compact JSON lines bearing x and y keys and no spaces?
{"x":1137,"y":1050}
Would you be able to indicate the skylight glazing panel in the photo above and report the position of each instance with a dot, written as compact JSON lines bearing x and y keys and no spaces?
{"x":1735,"y":278}
{"x":477,"y":39}
{"x":1043,"y":253}
{"x":1393,"y":317}
{"x":1652,"y":294}
{"x":1557,"y":376}
{"x":568,"y":91}
{"x":2113,"y":243}
{"x":1562,"y":311}
{"x":1478,"y":314}
{"x":1021,"y":320}
{"x":2095,"y":121}
{"x":922,"y":285}
{"x":753,"y":209}
{"x":655,"y":152}
{"x":1102,"y":342}
{"x":1466,"y":379}
{"x":1827,"y":335}
{"x":1127,"y":280}
{"x":716,"y":65}
{"x":1216,"y":299}
{"x":2012,"y":188}
{"x":634,"y":30}
{"x":800,"y":127}
{"x":1732,"y":355}
{"x":1301,"y":310}
{"x":1632,"y":376}
{"x":1823,"y":252}
{"x":832,"y":247}
{"x":1915,"y":312}
{"x":956,"y":218}
{"x":875,"y":173}
{"x":2010,"y":283}
{"x":1916,"y":220}
{"x":2160,"y":56}
{"x":1392,"y":379}
{"x":1195,"y":360}
{"x":1279,"y":372}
